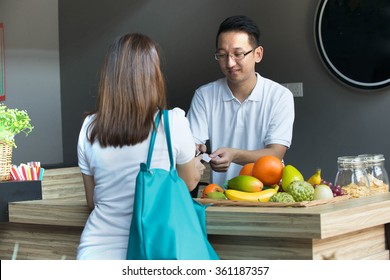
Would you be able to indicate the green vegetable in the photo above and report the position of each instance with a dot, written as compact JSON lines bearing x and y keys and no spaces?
{"x":282,"y":197}
{"x":12,"y":122}
{"x":301,"y":191}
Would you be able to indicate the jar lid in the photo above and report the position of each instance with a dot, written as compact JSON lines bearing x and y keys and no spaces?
{"x":348,"y":159}
{"x":373,"y":158}
{"x":351,"y":161}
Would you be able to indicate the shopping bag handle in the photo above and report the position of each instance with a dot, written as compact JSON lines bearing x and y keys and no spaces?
{"x":167,"y":137}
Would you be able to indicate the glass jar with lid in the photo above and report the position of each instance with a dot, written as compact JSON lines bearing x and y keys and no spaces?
{"x":352,"y":176}
{"x":376,"y":171}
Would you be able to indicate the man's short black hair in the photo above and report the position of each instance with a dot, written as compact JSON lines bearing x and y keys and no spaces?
{"x":241,"y":23}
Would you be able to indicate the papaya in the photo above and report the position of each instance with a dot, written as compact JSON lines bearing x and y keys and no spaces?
{"x":245,"y":183}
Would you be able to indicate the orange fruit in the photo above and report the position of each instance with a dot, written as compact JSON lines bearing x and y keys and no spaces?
{"x":247,"y":169}
{"x":268,"y":169}
{"x":212,"y":188}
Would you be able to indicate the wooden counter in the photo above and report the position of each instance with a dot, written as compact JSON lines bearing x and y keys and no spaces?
{"x":351,"y":229}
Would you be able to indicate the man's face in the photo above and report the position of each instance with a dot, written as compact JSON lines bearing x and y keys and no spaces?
{"x":239,"y":64}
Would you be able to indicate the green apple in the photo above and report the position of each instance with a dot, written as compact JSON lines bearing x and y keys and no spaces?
{"x":216,"y":195}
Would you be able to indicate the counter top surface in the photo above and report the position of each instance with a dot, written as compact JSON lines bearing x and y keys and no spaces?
{"x":345,"y":229}
{"x":319,"y":222}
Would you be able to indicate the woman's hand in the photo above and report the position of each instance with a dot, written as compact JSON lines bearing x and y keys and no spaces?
{"x":191,"y":172}
{"x":200,"y":148}
{"x":199,"y":165}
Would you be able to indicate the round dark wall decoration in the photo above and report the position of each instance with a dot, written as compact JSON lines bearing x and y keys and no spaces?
{"x":353,"y":39}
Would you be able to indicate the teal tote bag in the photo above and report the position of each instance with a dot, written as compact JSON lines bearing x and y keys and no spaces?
{"x":167,"y":223}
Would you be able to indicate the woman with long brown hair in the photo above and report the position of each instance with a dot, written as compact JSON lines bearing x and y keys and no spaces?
{"x":114,"y":140}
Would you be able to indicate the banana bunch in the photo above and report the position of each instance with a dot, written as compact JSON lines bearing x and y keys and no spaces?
{"x":261,"y":196}
{"x":315,"y":179}
{"x":249,"y":188}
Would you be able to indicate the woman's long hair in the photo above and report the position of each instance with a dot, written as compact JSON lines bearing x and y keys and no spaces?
{"x":131,"y":91}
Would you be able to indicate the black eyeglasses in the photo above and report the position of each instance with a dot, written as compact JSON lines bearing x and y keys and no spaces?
{"x":235,"y":56}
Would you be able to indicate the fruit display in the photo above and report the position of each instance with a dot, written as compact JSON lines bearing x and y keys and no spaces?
{"x":268,"y":180}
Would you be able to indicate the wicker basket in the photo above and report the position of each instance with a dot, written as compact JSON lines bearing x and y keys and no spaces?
{"x":5,"y":161}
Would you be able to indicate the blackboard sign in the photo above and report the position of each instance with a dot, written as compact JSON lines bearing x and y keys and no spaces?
{"x":353,"y":39}
{"x":11,"y":191}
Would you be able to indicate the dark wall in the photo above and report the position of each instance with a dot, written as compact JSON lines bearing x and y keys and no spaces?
{"x":332,"y":119}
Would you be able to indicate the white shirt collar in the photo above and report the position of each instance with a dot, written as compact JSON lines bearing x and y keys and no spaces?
{"x":254,"y":96}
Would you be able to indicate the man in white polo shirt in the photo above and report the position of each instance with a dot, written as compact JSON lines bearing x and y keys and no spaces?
{"x":243,"y":115}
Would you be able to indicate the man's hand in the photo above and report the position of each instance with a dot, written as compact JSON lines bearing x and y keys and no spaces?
{"x":221,"y":159}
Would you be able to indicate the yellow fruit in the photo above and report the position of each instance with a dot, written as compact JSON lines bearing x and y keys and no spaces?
{"x":262,"y":196}
{"x":290,"y":174}
{"x":245,"y":183}
{"x":316,"y":178}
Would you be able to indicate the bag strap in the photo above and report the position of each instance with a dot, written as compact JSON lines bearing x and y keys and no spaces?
{"x":153,"y":139}
{"x":167,"y":136}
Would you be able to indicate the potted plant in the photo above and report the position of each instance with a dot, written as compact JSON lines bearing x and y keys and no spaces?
{"x":12,"y":122}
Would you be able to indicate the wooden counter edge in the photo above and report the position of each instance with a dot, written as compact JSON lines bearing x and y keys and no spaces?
{"x":317,"y":222}
{"x":49,"y":212}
